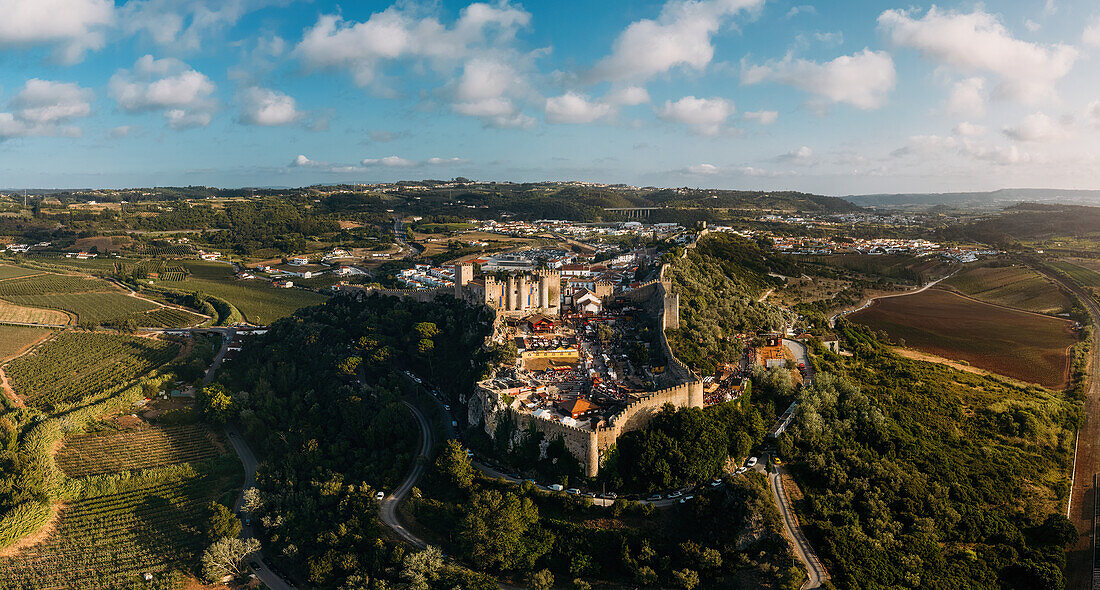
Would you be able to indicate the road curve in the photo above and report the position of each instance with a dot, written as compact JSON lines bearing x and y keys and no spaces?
{"x":390,"y":502}
{"x":802,"y":548}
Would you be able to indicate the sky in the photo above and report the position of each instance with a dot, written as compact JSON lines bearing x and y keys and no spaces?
{"x":830,"y":97}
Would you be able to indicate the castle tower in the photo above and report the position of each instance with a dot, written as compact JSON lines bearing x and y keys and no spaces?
{"x":510,"y":293}
{"x":464,"y":273}
{"x":544,"y":292}
{"x":523,"y":296}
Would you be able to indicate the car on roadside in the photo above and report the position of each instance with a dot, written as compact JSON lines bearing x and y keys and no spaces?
{"x":555,"y":487}
{"x":609,"y":495}
{"x":573,"y":491}
{"x":447,"y":407}
{"x":676,"y":494}
{"x":740,"y":470}
{"x":589,"y":494}
{"x":654,"y":498}
{"x":715,"y":483}
{"x":686,"y":499}
{"x":751,"y":462}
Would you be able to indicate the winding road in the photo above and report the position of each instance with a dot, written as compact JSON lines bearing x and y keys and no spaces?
{"x":391,"y":502}
{"x":802,"y":548}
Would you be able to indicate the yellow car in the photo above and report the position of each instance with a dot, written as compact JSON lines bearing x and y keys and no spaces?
{"x":776,"y":461}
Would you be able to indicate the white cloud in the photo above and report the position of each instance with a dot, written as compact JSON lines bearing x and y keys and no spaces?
{"x":704,"y":115}
{"x":862,"y":80}
{"x":574,"y":108}
{"x":966,"y":129}
{"x":1038,"y":127}
{"x":40,"y":108}
{"x":1091,"y":36}
{"x":997,"y":154}
{"x":301,"y":162}
{"x":802,"y":155}
{"x":967,"y":98}
{"x":928,"y":146}
{"x":801,"y":9}
{"x":680,"y":36}
{"x":1032,"y":26}
{"x":445,"y":161}
{"x":168,"y":85}
{"x":483,"y":91}
{"x":185,"y":24}
{"x":762,"y":117}
{"x":395,"y":33}
{"x":495,"y":112}
{"x":389,"y":161}
{"x":72,"y":26}
{"x":702,"y":169}
{"x":979,"y":42}
{"x":1092,"y":113}
{"x":627,"y":96}
{"x":46,"y":102}
{"x":264,"y":107}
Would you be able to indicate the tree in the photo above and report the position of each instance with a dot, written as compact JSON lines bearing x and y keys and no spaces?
{"x":226,"y":557}
{"x":251,"y":500}
{"x":454,"y":465}
{"x":215,"y":404}
{"x":540,"y":580}
{"x":499,"y":531}
{"x":686,"y":578}
{"x":422,"y":567}
{"x":221,"y":523}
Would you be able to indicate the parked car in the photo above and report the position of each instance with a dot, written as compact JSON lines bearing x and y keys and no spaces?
{"x":379,"y":495}
{"x":609,"y":496}
{"x":590,"y":494}
{"x":675,"y":494}
{"x":751,"y":462}
{"x":741,"y":470}
{"x":685,"y":499}
{"x":447,"y":407}
{"x":654,"y":497}
{"x":573,"y":491}
{"x":555,"y":487}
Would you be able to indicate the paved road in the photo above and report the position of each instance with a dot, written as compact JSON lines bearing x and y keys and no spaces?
{"x":390,"y":503}
{"x":815,"y":571}
{"x":248,"y":461}
{"x":798,"y":349}
{"x":1082,"y":499}
{"x":832,"y":320}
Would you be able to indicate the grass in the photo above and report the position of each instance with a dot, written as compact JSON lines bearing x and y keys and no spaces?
{"x":12,"y":272}
{"x":110,"y":541}
{"x":14,"y":339}
{"x":10,"y":312}
{"x":92,"y":308}
{"x":1018,"y":344}
{"x":258,"y":301}
{"x":77,"y":366}
{"x":1014,"y":286}
{"x":96,"y":454}
{"x":1089,"y":277}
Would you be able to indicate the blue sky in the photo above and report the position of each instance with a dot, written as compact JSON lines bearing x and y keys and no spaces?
{"x":828,"y":97}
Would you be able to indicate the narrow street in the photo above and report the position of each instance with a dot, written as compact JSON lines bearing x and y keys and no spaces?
{"x":392,"y":501}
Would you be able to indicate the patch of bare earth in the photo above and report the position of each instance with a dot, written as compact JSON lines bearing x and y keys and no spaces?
{"x":8,"y":391}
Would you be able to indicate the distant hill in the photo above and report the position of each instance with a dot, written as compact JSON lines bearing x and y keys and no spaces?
{"x":998,"y":198}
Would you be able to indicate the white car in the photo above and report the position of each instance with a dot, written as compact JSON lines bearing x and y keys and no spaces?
{"x":379,"y":495}
{"x":675,"y":494}
{"x":555,"y":487}
{"x":741,"y":470}
{"x":573,"y":491}
{"x":685,"y":499}
{"x":751,"y":462}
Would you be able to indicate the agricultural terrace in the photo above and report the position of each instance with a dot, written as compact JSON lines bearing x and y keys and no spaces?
{"x":1022,"y":345}
{"x":14,"y":272}
{"x":10,"y":312}
{"x":16,"y":339}
{"x":94,"y":308}
{"x":1014,"y":286}
{"x":95,"y":454}
{"x":78,"y":366}
{"x":110,"y":540}
{"x":257,"y":300}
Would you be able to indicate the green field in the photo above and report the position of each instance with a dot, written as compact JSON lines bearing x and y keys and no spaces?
{"x":1084,"y":276}
{"x":1025,"y":346}
{"x":52,"y":283}
{"x":258,"y":301}
{"x":76,"y":366}
{"x":14,"y":339}
{"x":10,"y":312}
{"x":92,"y":308}
{"x":95,"y":454}
{"x":1013,"y":286}
{"x":11,"y":272}
{"x":110,"y":541}
{"x":168,"y":317}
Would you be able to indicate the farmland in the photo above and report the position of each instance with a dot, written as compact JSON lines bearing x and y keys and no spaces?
{"x":13,"y":339}
{"x":1014,"y":286}
{"x":9,"y":312}
{"x":1078,"y":271}
{"x":95,"y":454}
{"x":94,"y":308}
{"x":1022,"y":345}
{"x":168,"y":317}
{"x":110,"y":540}
{"x":51,"y":283}
{"x":258,"y":301}
{"x":75,"y":366}
{"x":12,"y":272}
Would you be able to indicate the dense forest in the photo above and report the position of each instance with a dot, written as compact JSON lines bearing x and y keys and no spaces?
{"x":319,"y":395}
{"x":919,"y":476}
